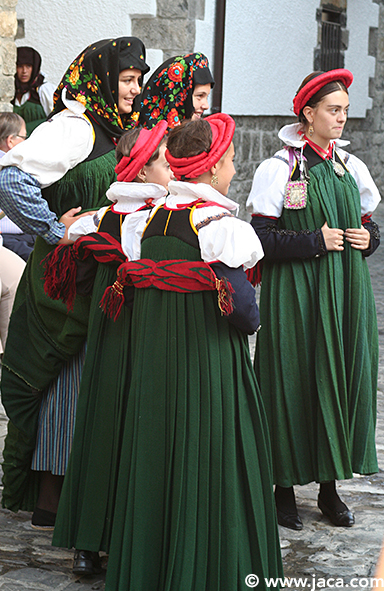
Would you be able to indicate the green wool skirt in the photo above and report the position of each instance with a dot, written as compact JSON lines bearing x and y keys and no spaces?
{"x":42,"y":334}
{"x":87,"y":499}
{"x":317,"y":351}
{"x":194,"y":507}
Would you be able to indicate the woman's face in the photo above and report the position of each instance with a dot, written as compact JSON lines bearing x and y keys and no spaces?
{"x":225,"y":170}
{"x":24,"y":72}
{"x":328,"y":117}
{"x":159,"y":171}
{"x":200,"y":96}
{"x":129,"y":88}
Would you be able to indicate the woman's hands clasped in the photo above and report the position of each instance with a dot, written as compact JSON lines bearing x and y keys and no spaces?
{"x":359,"y":238}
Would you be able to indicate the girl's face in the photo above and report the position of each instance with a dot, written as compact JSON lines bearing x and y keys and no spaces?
{"x":129,"y":88}
{"x":159,"y":171}
{"x":225,"y":170}
{"x":24,"y":72}
{"x":200,"y":96}
{"x":328,"y":117}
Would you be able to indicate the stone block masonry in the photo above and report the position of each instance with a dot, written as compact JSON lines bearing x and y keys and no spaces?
{"x":8,"y":28}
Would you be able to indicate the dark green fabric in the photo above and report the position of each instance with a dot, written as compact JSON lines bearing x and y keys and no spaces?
{"x":317,"y":351}
{"x":42,"y":335}
{"x":32,"y":113}
{"x":42,"y":328}
{"x":194,"y":507}
{"x":85,"y":512}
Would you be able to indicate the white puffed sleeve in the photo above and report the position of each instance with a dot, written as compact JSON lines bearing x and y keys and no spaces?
{"x":227,"y":239}
{"x":86,"y":225}
{"x":267,"y":193}
{"x":46,"y":91}
{"x":54,"y":147}
{"x":369,"y":193}
{"x":131,"y":233}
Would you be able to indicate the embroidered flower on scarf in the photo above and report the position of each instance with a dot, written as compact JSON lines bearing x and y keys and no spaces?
{"x":81,"y":99}
{"x":173,"y":118}
{"x":135,"y":116}
{"x":74,"y":76}
{"x":176,"y":72}
{"x":92,"y":86}
{"x":155,"y":113}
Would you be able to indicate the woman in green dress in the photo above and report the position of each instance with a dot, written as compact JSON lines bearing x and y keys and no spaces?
{"x":33,"y":99}
{"x":194,"y":506}
{"x":317,"y":354}
{"x":69,"y":161}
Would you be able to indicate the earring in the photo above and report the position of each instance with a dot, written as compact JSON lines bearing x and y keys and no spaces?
{"x":214,"y":180}
{"x":311,"y":130}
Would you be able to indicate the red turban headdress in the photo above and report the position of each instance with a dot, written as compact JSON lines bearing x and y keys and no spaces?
{"x":147,"y":142}
{"x":223,"y":128}
{"x":314,"y":85}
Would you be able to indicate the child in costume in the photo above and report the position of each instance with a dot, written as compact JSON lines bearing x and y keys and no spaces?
{"x":106,"y":239}
{"x":194,"y":505}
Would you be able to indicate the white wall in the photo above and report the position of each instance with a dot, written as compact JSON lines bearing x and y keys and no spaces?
{"x":268,"y":44}
{"x":59,"y":30}
{"x":361,"y":15}
{"x":268,"y":51}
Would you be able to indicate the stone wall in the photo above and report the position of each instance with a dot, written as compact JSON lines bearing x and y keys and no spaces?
{"x":256,"y":137}
{"x":173,"y":28}
{"x":8,"y":28}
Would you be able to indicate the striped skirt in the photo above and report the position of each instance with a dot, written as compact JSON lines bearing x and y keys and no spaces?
{"x":57,"y":419}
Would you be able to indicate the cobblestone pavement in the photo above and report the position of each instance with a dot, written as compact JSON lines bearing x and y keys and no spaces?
{"x":320,"y":551}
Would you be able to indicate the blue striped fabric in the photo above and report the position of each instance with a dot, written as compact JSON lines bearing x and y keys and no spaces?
{"x":22,"y":201}
{"x":57,"y":419}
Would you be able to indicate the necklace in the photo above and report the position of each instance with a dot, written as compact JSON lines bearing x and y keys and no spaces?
{"x":337,"y":166}
{"x":327,"y":155}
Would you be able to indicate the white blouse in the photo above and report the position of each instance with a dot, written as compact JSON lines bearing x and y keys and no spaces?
{"x":226,"y":239}
{"x":267,"y":193}
{"x":127,"y":198}
{"x":55,"y":146}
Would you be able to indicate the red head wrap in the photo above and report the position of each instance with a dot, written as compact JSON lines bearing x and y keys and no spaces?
{"x":223,"y":128}
{"x":147,"y":142}
{"x":314,"y":85}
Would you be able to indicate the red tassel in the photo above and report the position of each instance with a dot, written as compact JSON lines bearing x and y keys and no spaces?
{"x":60,"y":275}
{"x":254,"y":274}
{"x":113,"y":300}
{"x":224,"y":297}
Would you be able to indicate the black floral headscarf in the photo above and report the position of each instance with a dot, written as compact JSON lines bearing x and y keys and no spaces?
{"x":31,"y":57}
{"x":168,"y":92}
{"x":93,"y":80}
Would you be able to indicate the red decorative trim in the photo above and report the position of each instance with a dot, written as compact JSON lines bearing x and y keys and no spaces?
{"x":174,"y":275}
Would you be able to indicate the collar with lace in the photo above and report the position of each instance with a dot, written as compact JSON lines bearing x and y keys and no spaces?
{"x":129,"y":197}
{"x":182,"y":192}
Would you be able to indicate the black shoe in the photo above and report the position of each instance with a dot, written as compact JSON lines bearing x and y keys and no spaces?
{"x":292,"y":520}
{"x":43,"y":520}
{"x":340,"y":518}
{"x":86,"y":562}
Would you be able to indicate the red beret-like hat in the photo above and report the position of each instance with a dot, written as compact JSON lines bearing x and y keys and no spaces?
{"x":223,"y":128}
{"x":147,"y":142}
{"x":314,"y":85}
